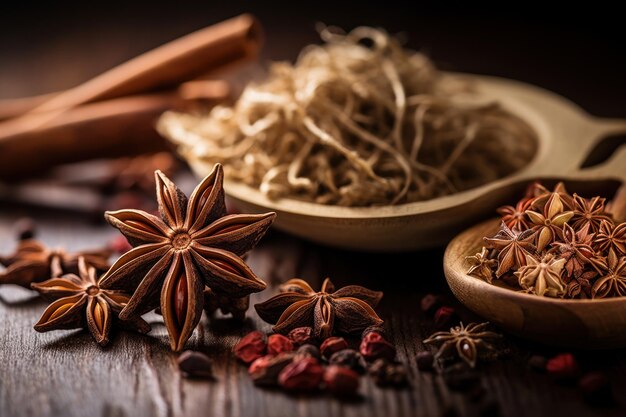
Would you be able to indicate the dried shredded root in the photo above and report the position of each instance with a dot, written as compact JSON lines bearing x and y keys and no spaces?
{"x":356,"y":125}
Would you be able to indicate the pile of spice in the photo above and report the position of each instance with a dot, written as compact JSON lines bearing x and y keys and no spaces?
{"x":356,"y":121}
{"x":555,"y":244}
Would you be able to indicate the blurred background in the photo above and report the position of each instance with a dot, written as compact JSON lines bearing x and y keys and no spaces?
{"x":47,"y":46}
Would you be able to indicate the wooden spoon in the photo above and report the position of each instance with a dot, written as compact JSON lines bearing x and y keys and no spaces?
{"x":565,"y":137}
{"x":587,"y":324}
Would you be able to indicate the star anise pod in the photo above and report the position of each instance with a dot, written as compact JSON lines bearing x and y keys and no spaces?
{"x":589,"y":213}
{"x":465,"y":341}
{"x":542,"y":277}
{"x":580,"y":287}
{"x":194,"y":244}
{"x":348,"y":310}
{"x":611,"y":236}
{"x":575,"y":248}
{"x":613,"y":282}
{"x":513,"y":246}
{"x":515,"y":217}
{"x":542,"y":195}
{"x":34,"y":262}
{"x":549,"y":223}
{"x":80,"y":303}
{"x":481,"y":265}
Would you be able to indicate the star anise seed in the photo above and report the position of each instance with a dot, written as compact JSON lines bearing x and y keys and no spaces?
{"x":81,"y":302}
{"x":348,"y":310}
{"x":192,"y":246}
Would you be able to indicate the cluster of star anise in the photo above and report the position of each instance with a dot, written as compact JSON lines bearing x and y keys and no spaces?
{"x":556,"y":244}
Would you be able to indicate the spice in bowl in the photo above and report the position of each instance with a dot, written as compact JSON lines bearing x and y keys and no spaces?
{"x":555,"y":244}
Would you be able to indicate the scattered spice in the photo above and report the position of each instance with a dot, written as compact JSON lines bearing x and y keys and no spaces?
{"x":348,"y":310}
{"x":277,"y":344}
{"x":349,"y":358}
{"x":444,"y":316}
{"x":430,"y":303}
{"x":376,"y":328}
{"x":595,"y":388}
{"x":563,"y":366}
{"x":555,"y":244}
{"x":301,"y":336}
{"x":264,"y":371}
{"x":425,"y":361}
{"x":538,"y":362}
{"x":33,"y":262}
{"x":332,"y":345}
{"x":195,"y":365}
{"x":251,"y":347}
{"x":374,"y":346}
{"x":82,"y":303}
{"x":308,"y":350}
{"x":387,"y":373}
{"x":341,"y":381}
{"x":301,"y":375}
{"x":460,"y":377}
{"x":466,"y":342}
{"x":192,"y":245}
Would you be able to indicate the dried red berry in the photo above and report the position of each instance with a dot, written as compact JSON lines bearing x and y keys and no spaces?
{"x":444,"y":316}
{"x":430,"y":303}
{"x":425,"y":361}
{"x":301,"y":336}
{"x":374,"y":329}
{"x":332,"y":345}
{"x":374,"y":346}
{"x":265,"y":370}
{"x":277,"y":343}
{"x":301,"y":375}
{"x":595,"y":387}
{"x":563,"y":366}
{"x":341,"y":381}
{"x":251,"y":347}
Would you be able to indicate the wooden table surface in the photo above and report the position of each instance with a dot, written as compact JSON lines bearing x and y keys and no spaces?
{"x":65,"y":373}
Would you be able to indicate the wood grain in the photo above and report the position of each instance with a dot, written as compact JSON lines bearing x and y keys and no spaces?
{"x":65,"y":373}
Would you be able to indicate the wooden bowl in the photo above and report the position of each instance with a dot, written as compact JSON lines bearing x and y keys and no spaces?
{"x":586,"y":324}
{"x":565,"y":136}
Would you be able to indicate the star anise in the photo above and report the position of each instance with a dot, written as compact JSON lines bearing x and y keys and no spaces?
{"x":348,"y":310}
{"x":549,"y":223}
{"x":581,"y":287}
{"x":481,"y":265}
{"x":34,"y":262}
{"x":542,"y":277}
{"x":613,"y":282}
{"x":194,"y":244}
{"x":542,"y":195}
{"x":611,"y":236}
{"x":80,"y":303}
{"x":575,"y":248}
{"x":513,"y":246}
{"x":465,"y":341}
{"x":515,"y":217}
{"x":589,"y":212}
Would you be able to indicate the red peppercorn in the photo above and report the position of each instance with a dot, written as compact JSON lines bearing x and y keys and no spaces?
{"x":301,"y":336}
{"x":430,"y":303}
{"x":595,"y":388}
{"x":425,"y":361}
{"x":332,"y":345}
{"x":374,"y":346}
{"x":563,"y":366}
{"x":301,"y":375}
{"x":341,"y":381}
{"x":444,"y":316}
{"x":251,"y":347}
{"x":277,"y":343}
{"x":264,"y":371}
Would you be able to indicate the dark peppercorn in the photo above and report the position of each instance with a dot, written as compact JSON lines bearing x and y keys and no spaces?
{"x":195,"y":365}
{"x":538,"y":362}
{"x":386,"y":373}
{"x":332,"y":345}
{"x":425,"y":361}
{"x":429,"y":304}
{"x":308,"y":351}
{"x":349,"y":358}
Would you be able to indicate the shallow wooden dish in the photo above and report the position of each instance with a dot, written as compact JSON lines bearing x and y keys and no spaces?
{"x":586,"y":324}
{"x":565,"y":136}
